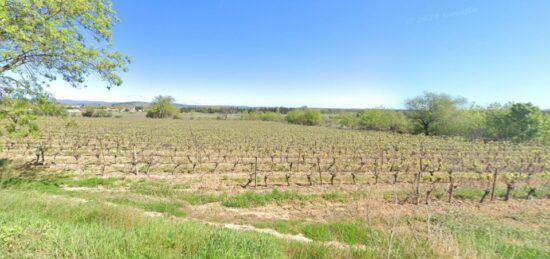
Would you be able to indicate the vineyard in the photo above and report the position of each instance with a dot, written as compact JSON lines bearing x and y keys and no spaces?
{"x":262,"y":150}
{"x":267,"y":175}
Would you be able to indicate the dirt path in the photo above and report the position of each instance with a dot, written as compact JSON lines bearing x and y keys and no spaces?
{"x":297,"y":238}
{"x":231,"y":226}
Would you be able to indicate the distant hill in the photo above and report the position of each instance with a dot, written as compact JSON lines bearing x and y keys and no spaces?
{"x":86,"y":102}
{"x":138,"y":103}
{"x":146,"y":104}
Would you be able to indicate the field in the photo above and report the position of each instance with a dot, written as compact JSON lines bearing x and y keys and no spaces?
{"x":135,"y":187}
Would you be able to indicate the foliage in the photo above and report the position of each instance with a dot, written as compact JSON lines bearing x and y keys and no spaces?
{"x":348,"y":120}
{"x":162,"y":107}
{"x":469,"y":123}
{"x":19,"y":120}
{"x":378,"y":119}
{"x":261,"y":115}
{"x":516,"y":121}
{"x":305,"y":116}
{"x":253,"y":199}
{"x":44,"y":39}
{"x":442,"y":115}
{"x":97,"y":113}
{"x":20,"y":114}
{"x":44,"y":105}
{"x":545,"y":129}
{"x":42,"y":224}
{"x":430,"y":111}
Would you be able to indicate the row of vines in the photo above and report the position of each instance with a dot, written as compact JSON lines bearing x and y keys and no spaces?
{"x":304,"y":156}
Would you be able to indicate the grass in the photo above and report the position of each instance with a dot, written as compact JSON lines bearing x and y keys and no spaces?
{"x":34,"y":224}
{"x":335,"y":196}
{"x":492,"y":238}
{"x":254,"y":199}
{"x":350,"y":232}
{"x":95,"y":182}
{"x":152,"y":188}
{"x":196,"y":198}
{"x":171,"y":208}
{"x":46,"y":185}
{"x":38,"y":217}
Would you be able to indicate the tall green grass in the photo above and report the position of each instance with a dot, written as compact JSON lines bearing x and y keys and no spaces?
{"x":256,"y":199}
{"x":485,"y":237}
{"x":41,"y":225}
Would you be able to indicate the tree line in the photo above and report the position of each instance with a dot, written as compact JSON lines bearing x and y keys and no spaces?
{"x":430,"y":114}
{"x":443,"y":115}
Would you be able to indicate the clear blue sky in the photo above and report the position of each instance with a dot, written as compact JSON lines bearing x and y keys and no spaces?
{"x":336,"y":53}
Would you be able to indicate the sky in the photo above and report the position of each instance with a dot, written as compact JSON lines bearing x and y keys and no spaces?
{"x":328,"y":53}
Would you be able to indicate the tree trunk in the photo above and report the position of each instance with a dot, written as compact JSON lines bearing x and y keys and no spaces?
{"x":426,"y":127}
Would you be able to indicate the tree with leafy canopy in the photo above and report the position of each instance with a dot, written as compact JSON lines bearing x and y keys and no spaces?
{"x":431,"y":109}
{"x":515,"y":121}
{"x":41,"y":40}
{"x":162,"y":107}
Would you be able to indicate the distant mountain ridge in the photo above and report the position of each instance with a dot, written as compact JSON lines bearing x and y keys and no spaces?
{"x":137,"y":103}
{"x":87,"y":102}
{"x":179,"y":105}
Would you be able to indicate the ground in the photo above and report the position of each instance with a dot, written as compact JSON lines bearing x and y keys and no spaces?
{"x":47,"y":212}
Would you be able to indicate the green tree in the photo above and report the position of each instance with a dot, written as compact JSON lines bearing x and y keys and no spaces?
{"x":525,"y":121}
{"x":41,"y":40}
{"x":496,"y":121}
{"x":162,"y":107}
{"x":545,"y":129}
{"x":348,"y":120}
{"x":97,"y":112}
{"x":261,"y":115}
{"x":19,"y":122}
{"x":380,"y":119}
{"x":517,"y":121}
{"x":469,"y":123}
{"x":44,"y":105}
{"x":431,"y":110}
{"x":305,"y":116}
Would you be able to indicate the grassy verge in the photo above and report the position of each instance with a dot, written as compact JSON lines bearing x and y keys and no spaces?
{"x":38,"y":217}
{"x":487,"y":237}
{"x":34,"y":224}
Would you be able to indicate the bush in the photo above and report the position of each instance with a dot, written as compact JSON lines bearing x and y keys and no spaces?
{"x":383,"y":120}
{"x":263,"y":116}
{"x":97,"y":113}
{"x":348,"y":120}
{"x":162,"y":107}
{"x":306,"y":116}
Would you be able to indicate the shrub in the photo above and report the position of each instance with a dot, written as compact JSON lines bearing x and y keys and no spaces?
{"x":97,"y":113}
{"x":305,"y":116}
{"x":162,"y":107}
{"x":263,"y":116}
{"x":383,"y":120}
